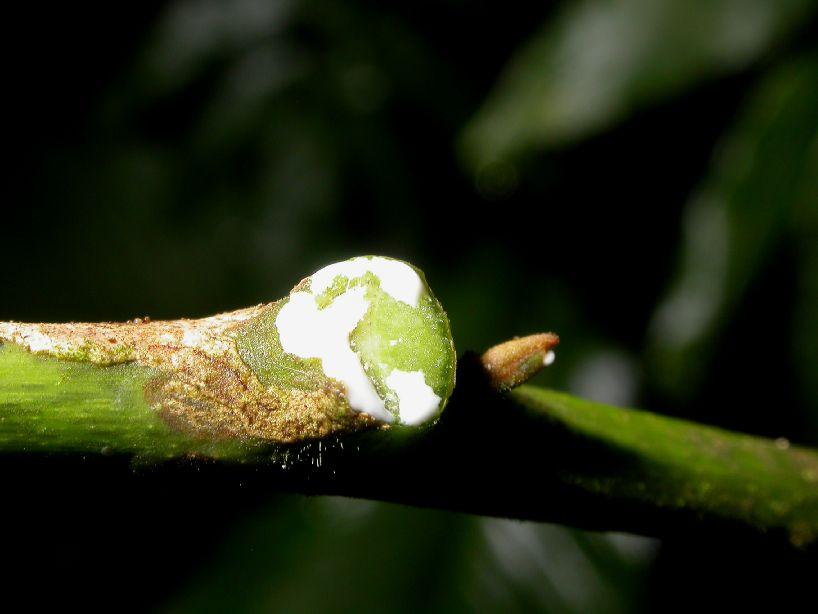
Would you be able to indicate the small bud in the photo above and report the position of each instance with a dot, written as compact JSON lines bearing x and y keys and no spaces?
{"x":514,"y":362}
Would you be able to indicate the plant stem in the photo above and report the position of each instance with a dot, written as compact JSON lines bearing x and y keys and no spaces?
{"x":531,"y":454}
{"x":66,"y":406}
{"x":542,"y":455}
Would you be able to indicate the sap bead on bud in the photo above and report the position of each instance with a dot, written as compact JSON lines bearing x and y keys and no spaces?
{"x":377,"y":329}
{"x":370,"y":330}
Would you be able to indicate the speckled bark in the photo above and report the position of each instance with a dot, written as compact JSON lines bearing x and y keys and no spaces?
{"x":203,"y":386}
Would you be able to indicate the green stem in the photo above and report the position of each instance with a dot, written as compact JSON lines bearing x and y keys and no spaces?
{"x":680,"y":466}
{"x":66,"y":406}
{"x":532,"y":454}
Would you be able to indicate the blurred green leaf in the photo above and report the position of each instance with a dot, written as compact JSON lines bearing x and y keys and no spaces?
{"x":599,"y":61}
{"x":805,"y":329}
{"x":744,"y":210}
{"x":345,"y":555}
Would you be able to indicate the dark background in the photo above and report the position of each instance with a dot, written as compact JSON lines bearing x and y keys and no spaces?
{"x":640,"y":177}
